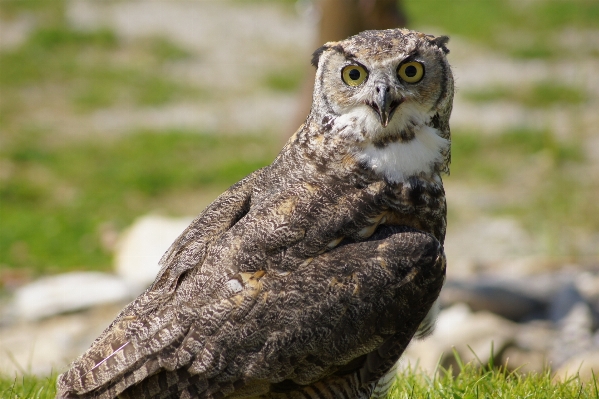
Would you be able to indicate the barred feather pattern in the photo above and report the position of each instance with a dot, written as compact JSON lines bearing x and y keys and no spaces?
{"x":282,"y":341}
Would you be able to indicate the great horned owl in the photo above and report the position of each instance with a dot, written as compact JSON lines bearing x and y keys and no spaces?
{"x":309,"y":277}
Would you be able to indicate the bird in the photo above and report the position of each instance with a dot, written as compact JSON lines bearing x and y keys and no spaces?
{"x":309,"y":277}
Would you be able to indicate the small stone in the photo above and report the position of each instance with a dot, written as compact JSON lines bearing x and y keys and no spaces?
{"x":142,"y":246}
{"x":471,"y":335}
{"x":575,"y":335}
{"x":48,"y":345}
{"x":535,"y":336}
{"x":68,"y":292}
{"x":585,"y":365}
{"x":525,"y":361}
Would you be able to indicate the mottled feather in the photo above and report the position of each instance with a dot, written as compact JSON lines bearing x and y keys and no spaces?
{"x":308,"y":278}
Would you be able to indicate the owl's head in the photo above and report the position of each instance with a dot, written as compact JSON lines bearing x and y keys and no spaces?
{"x":390,"y":92}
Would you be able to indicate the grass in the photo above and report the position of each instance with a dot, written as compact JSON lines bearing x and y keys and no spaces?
{"x":524,"y":29}
{"x":471,"y":383}
{"x":536,"y":181}
{"x":58,"y":195}
{"x":27,"y":387}
{"x":165,"y":50}
{"x":55,"y":194}
{"x":537,"y":95}
{"x":284,"y":81}
{"x":495,"y":158}
{"x":83,"y":71}
{"x":47,"y":12}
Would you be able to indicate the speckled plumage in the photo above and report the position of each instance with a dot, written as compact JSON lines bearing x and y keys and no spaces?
{"x":308,"y":278}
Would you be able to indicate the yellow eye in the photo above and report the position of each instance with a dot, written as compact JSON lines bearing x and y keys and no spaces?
{"x":411,"y":72}
{"x":354,"y":75}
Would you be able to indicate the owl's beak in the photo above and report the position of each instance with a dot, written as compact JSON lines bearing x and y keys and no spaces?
{"x":384,"y":104}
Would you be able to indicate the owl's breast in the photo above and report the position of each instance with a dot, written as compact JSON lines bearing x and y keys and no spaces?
{"x":418,"y":203}
{"x":396,"y":161}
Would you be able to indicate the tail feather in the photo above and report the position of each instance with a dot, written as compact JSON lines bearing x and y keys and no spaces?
{"x":109,"y":356}
{"x":113,"y":363}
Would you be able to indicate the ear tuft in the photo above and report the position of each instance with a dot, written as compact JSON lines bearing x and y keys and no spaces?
{"x":316,"y":55}
{"x":441,"y":41}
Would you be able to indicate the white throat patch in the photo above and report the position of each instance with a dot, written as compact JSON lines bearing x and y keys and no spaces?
{"x":399,"y":160}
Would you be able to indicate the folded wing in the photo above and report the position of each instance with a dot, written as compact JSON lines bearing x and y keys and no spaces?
{"x":330,"y":328}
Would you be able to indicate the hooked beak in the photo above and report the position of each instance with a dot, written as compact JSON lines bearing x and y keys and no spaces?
{"x":383,"y":104}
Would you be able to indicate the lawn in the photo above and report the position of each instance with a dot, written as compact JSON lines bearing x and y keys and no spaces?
{"x":471,"y":383}
{"x":58,"y":196}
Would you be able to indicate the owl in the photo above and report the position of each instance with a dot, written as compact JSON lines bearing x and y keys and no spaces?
{"x":309,"y":277}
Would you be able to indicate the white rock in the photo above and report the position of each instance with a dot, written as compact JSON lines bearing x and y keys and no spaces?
{"x":525,"y":362}
{"x":15,"y":31}
{"x":575,"y":336}
{"x":584,"y":365}
{"x":53,"y":295}
{"x":48,"y":345}
{"x":142,"y":246}
{"x":471,"y":335}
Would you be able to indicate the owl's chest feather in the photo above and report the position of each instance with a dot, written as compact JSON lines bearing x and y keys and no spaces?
{"x":397,"y":161}
{"x":419,"y":204}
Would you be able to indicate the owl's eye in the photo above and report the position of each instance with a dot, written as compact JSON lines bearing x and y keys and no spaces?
{"x":354,"y":75}
{"x":411,"y":72}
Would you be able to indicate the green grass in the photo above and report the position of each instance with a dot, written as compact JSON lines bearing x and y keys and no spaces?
{"x":81,"y":66}
{"x":28,"y":387}
{"x":495,"y":158}
{"x":484,"y":20}
{"x":50,"y":54}
{"x":521,"y":29}
{"x":45,"y":12}
{"x":57,"y":195}
{"x":557,"y":207}
{"x":538,"y":95}
{"x":165,"y":50}
{"x":471,"y":383}
{"x":556,"y":199}
{"x":284,"y":81}
{"x":56,"y":198}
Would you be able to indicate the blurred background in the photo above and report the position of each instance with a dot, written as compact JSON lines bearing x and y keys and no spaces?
{"x":122,"y":120}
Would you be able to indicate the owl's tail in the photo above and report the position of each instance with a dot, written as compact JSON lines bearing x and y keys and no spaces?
{"x":110,"y":354}
{"x":115,"y":362}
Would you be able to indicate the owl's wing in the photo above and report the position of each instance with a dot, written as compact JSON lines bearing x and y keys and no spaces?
{"x":112,"y":349}
{"x":191,"y":246}
{"x":332,"y":328}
